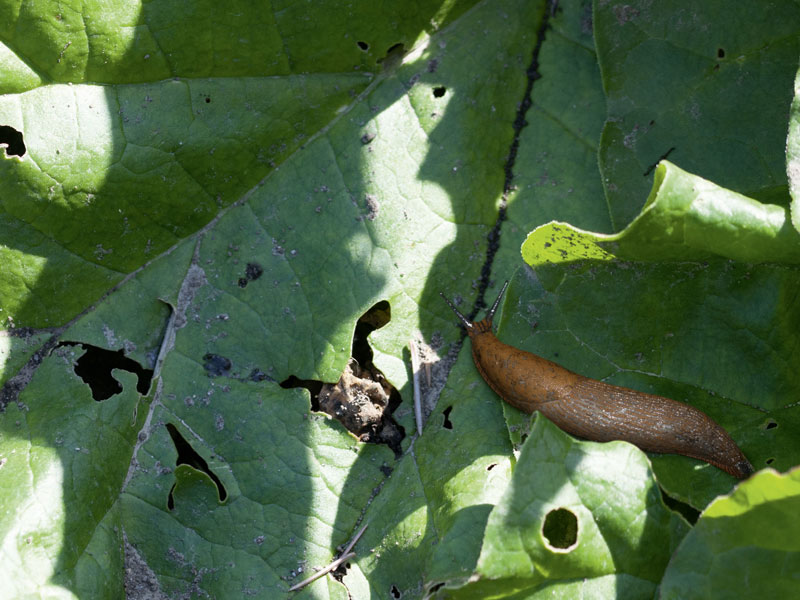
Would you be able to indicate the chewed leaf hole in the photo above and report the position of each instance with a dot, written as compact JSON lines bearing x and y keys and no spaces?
{"x":447,"y":424}
{"x":12,"y":140}
{"x":362,"y":400}
{"x":95,"y":367}
{"x":769,"y":424}
{"x":439,"y":91}
{"x":189,"y":456}
{"x":560,"y":530}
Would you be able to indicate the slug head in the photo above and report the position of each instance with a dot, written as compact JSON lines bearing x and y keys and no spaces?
{"x":480,"y":326}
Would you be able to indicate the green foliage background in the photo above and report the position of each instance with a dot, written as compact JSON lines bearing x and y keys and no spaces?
{"x":352,"y":154}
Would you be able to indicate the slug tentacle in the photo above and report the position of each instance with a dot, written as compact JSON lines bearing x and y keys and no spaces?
{"x":490,"y":314}
{"x":468,"y":325}
{"x":596,"y":410}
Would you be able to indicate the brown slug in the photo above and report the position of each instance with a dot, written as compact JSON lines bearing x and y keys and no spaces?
{"x":595,"y":410}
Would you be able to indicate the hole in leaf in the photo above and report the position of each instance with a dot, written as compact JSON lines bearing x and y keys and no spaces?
{"x":189,"y":456}
{"x":12,"y":140}
{"x":446,"y":414}
{"x":688,"y":512}
{"x":311,"y":385}
{"x":439,"y":91}
{"x":560,"y":529}
{"x":769,"y":424}
{"x":395,"y":592}
{"x":720,"y":53}
{"x":491,"y":466}
{"x":251,"y":272}
{"x":216,"y":365}
{"x":95,"y":367}
{"x":362,"y":400}
{"x":208,"y":100}
{"x":393,"y":56}
{"x":363,"y":45}
{"x":769,"y":461}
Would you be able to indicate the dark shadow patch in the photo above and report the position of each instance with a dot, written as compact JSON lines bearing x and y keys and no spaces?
{"x":12,"y":140}
{"x":687,"y":511}
{"x":362,"y":400}
{"x":188,"y":456}
{"x":560,"y":529}
{"x":95,"y":368}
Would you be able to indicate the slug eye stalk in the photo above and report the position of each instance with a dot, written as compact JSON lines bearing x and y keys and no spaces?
{"x":489,"y":315}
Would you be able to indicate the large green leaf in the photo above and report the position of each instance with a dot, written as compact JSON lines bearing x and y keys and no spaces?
{"x":744,"y":544}
{"x":220,"y":193}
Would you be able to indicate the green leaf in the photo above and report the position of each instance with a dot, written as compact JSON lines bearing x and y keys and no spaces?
{"x":744,"y":544}
{"x":685,"y":218}
{"x":571,"y":513}
{"x":210,"y":200}
{"x":680,"y":81}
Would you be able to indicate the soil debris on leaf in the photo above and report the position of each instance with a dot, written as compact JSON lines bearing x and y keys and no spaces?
{"x":359,"y":400}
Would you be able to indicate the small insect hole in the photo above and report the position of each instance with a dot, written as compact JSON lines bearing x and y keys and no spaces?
{"x":720,"y":53}
{"x":189,"y":456}
{"x":363,"y":45}
{"x":770,"y":424}
{"x":439,"y":91}
{"x":491,"y":466}
{"x":769,"y":461}
{"x":446,"y":414}
{"x":95,"y":367}
{"x":395,"y":592}
{"x":560,"y":529}
{"x":12,"y":140}
{"x":394,"y":55}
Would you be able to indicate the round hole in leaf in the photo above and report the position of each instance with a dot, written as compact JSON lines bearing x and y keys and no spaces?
{"x":560,"y":530}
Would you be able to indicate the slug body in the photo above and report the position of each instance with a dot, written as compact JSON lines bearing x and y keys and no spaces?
{"x":595,"y":410}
